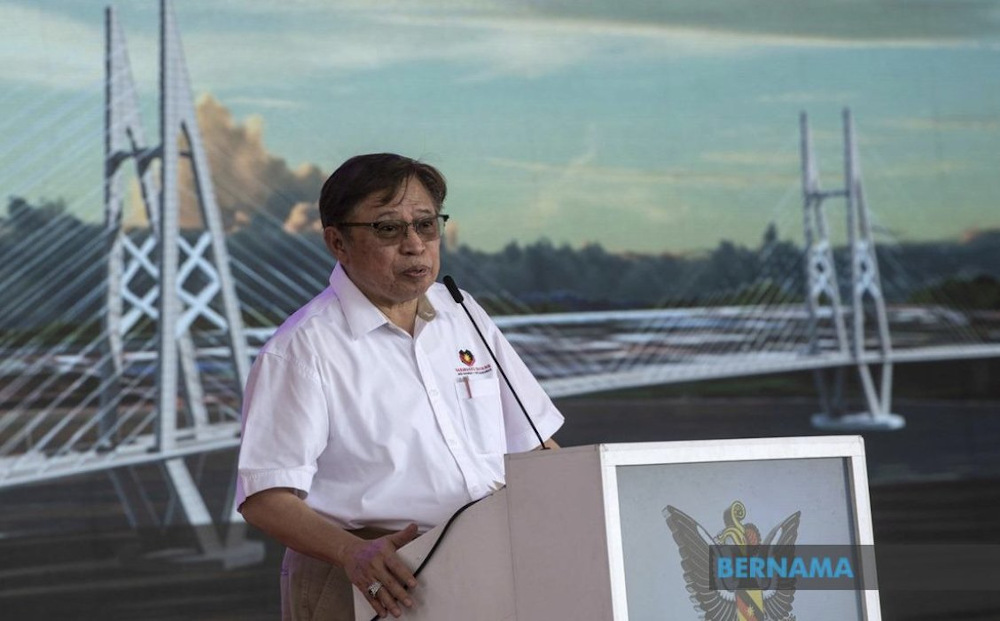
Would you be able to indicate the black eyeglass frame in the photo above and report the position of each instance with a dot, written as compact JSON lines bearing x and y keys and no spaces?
{"x":374,"y":226}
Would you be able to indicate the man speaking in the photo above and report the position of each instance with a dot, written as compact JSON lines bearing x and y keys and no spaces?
{"x":375,"y":410}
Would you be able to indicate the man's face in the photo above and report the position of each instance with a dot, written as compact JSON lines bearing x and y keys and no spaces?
{"x":388,"y":273}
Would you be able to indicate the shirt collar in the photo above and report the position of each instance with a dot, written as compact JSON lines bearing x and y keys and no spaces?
{"x":425,"y":310}
{"x":363,"y":316}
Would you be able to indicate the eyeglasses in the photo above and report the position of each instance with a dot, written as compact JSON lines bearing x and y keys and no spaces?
{"x":427,"y":229}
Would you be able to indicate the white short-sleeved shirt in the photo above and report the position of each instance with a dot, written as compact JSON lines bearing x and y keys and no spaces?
{"x":378,"y":428}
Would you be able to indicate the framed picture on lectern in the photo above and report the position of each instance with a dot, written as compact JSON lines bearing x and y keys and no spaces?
{"x":672,"y":509}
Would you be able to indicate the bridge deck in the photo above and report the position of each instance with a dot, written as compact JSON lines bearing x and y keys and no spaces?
{"x":46,"y":393}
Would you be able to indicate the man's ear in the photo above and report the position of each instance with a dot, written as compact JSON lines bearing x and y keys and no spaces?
{"x":335,"y":242}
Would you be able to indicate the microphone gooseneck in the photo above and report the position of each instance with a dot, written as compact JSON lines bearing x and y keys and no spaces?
{"x":449,"y":282}
{"x":453,"y":290}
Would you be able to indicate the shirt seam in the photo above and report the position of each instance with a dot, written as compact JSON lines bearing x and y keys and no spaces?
{"x":303,"y":369}
{"x":257,"y":473}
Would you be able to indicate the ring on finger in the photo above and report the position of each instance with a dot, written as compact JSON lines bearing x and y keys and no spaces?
{"x":374,"y":588}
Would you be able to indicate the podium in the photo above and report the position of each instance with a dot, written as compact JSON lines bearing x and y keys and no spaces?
{"x":604,"y":532}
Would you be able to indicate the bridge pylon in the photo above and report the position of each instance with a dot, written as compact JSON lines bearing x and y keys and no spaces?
{"x":828,"y":318}
{"x":171,"y":306}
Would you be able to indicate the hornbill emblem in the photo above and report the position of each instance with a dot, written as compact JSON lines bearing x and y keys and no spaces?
{"x":762,"y":600}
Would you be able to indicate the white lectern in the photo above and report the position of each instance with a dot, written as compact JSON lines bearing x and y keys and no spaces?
{"x":593,"y":533}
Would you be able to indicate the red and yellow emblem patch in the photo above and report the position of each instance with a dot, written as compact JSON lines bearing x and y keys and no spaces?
{"x":466,"y":357}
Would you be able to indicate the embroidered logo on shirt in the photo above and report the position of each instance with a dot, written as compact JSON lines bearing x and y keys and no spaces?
{"x":466,"y":357}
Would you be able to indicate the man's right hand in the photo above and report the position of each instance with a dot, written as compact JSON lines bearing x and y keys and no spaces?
{"x":375,"y":562}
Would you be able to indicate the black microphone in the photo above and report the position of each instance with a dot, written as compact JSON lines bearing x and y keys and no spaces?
{"x":457,"y":296}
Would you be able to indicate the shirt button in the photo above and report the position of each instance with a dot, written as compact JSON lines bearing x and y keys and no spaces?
{"x":433,"y":392}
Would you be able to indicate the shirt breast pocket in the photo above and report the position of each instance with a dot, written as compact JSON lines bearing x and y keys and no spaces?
{"x":482,"y":415}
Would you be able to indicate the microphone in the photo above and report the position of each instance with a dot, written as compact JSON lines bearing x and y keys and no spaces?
{"x":449,"y":282}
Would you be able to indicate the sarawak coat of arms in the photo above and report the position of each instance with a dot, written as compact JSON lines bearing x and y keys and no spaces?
{"x":761,"y":601}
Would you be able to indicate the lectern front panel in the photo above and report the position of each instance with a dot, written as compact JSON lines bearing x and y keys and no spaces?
{"x":769,"y":529}
{"x":672,"y":513}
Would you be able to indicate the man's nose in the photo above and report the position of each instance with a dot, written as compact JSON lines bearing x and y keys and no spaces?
{"x":411,"y":242}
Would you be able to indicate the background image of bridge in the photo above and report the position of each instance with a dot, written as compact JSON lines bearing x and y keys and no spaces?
{"x":590,"y":322}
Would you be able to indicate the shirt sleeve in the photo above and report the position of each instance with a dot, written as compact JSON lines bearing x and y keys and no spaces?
{"x":285,"y":426}
{"x":543,"y":412}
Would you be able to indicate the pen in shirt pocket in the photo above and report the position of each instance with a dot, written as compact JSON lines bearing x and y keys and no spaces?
{"x":468,"y":388}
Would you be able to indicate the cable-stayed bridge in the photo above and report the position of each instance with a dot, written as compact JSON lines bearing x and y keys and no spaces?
{"x":155,"y":374}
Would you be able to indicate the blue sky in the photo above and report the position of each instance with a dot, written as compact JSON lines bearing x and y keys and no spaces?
{"x":645,"y":126}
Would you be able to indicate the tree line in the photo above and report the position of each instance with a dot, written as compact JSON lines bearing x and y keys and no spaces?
{"x":53,"y":272}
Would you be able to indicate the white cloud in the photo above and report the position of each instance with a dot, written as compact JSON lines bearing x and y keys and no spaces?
{"x":808,"y":22}
{"x":603,"y":175}
{"x":946,"y":124}
{"x":482,"y":48}
{"x":484,"y":40}
{"x":834,"y":22}
{"x":306,"y":7}
{"x":483,"y":45}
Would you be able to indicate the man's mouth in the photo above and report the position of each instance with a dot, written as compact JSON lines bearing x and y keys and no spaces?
{"x":416,"y":271}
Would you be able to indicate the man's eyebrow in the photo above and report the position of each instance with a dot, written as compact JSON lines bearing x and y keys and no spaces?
{"x":395,"y":209}
{"x":387,"y":208}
